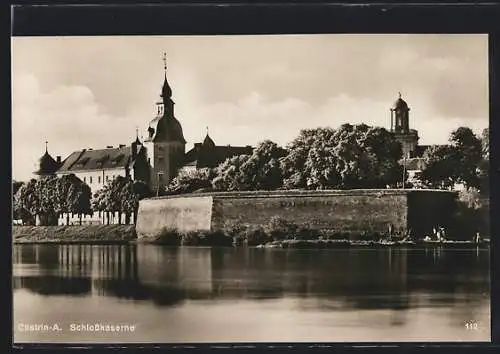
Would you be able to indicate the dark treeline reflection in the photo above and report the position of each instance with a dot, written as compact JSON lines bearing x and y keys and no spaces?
{"x":362,"y":278}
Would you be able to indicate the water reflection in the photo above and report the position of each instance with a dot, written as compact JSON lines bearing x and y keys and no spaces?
{"x":361,"y":278}
{"x":396,"y":281}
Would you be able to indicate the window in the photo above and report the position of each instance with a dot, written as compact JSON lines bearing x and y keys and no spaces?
{"x":90,"y":179}
{"x":84,"y":179}
{"x":99,"y":179}
{"x":107,"y":178}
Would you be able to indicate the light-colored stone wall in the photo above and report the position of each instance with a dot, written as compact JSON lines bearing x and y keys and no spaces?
{"x":181,"y":213}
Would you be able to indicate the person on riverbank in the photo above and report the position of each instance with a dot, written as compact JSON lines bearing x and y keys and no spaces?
{"x":443,"y":234}
{"x":390,"y":230}
{"x":409,"y":236}
{"x":477,"y":237}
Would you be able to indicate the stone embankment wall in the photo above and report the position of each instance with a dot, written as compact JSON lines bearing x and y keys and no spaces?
{"x":351,"y":211}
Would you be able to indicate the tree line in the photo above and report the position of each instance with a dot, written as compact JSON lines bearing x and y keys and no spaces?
{"x":51,"y":196}
{"x":352,"y":156}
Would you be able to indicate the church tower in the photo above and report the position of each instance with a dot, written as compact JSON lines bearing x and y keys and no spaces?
{"x":165,"y":143}
{"x":400,"y":127}
{"x":47,"y":166}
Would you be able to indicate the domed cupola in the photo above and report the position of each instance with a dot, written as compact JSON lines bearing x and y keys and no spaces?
{"x":400,"y":104}
{"x":400,"y":116}
{"x":46,"y":164}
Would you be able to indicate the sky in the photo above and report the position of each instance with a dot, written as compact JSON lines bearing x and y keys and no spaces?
{"x":91,"y":92}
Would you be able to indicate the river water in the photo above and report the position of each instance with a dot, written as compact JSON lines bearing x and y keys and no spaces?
{"x":194,"y":295}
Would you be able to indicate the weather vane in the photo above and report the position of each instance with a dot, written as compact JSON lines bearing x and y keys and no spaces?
{"x":165,"y":63}
{"x":46,"y":145}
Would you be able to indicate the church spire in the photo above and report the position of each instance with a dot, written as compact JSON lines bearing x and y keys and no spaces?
{"x":166,"y":91}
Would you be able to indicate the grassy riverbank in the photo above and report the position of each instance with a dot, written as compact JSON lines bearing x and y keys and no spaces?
{"x":276,"y":235}
{"x":96,"y":234}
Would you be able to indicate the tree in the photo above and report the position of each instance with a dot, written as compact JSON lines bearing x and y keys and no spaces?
{"x":45,"y":189}
{"x":469,"y":151}
{"x":78,"y":200}
{"x":229,"y":176}
{"x":120,"y":195}
{"x":440,"y":167}
{"x":485,"y":143}
{"x":131,"y":193}
{"x":15,"y":186}
{"x":472,"y":214}
{"x":353,"y":156}
{"x":25,"y":203}
{"x":16,"y":208}
{"x":484,"y":165}
{"x":299,"y":163}
{"x":99,"y":200}
{"x":71,"y":196}
{"x":260,"y":170}
{"x":188,"y":181}
{"x":458,"y":162}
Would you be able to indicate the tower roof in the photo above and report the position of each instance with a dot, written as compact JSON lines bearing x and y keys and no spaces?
{"x":165,"y":129}
{"x":46,"y":164}
{"x":208,"y":142}
{"x":166,"y":91}
{"x":400,"y":103}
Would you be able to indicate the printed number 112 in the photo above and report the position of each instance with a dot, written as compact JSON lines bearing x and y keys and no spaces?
{"x":471,"y":326}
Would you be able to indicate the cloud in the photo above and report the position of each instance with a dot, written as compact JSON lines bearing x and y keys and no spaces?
{"x":68,"y":117}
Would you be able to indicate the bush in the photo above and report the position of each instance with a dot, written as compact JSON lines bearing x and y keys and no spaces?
{"x":281,"y":229}
{"x":234,"y":228}
{"x":307,"y":232}
{"x":255,"y":235}
{"x":168,"y":237}
{"x":215,"y":238}
{"x":191,"y":238}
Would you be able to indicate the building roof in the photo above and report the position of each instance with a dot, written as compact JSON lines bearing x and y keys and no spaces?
{"x":202,"y":155}
{"x":110,"y":158}
{"x":46,"y":165}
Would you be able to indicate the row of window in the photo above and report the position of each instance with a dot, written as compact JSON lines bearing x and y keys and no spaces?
{"x":98,"y":179}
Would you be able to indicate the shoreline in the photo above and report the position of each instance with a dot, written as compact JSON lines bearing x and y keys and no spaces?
{"x":289,"y":244}
{"x":126,"y":235}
